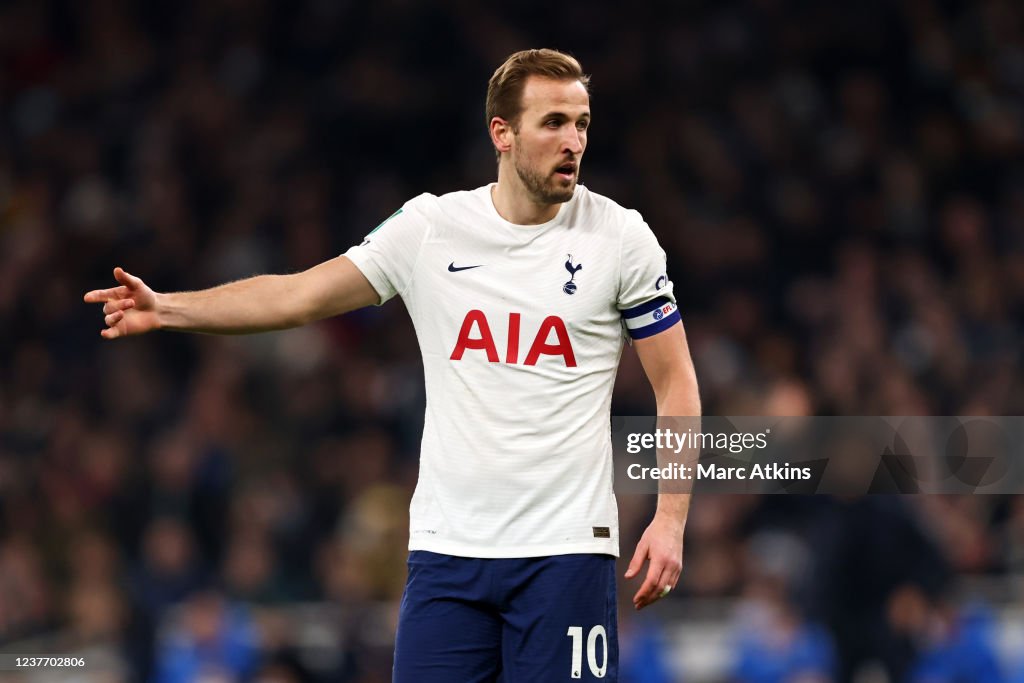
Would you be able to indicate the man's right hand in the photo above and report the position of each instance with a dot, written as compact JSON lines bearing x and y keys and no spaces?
{"x":130,"y":308}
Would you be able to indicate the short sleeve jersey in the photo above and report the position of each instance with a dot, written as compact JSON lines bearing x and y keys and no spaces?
{"x":521,"y":329}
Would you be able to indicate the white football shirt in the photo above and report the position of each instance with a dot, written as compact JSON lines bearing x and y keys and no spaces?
{"x":521,"y":329}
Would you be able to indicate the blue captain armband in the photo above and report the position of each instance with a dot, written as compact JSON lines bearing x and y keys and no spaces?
{"x":648,"y":319}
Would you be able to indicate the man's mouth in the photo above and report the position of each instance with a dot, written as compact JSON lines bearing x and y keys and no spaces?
{"x":566,"y":171}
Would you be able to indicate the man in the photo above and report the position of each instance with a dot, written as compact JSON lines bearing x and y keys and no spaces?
{"x":520,"y":292}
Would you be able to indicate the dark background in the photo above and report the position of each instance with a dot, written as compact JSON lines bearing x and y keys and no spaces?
{"x":840,"y":191}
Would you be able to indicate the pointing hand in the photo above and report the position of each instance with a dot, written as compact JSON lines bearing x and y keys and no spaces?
{"x":129,"y":308}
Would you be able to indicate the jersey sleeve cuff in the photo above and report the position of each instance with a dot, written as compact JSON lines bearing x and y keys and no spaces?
{"x":376,"y":277}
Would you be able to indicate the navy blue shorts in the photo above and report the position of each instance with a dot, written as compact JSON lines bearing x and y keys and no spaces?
{"x":522,"y":620}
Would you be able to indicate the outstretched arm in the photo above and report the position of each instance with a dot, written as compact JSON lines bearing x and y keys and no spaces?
{"x":666,"y":361}
{"x":257,"y":304}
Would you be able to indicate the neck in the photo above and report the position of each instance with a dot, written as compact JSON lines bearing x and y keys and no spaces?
{"x":513,"y":202}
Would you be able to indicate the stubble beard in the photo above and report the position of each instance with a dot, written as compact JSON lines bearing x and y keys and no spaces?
{"x":542,"y":189}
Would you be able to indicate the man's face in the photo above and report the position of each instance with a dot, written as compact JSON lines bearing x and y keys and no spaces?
{"x":550,"y":138}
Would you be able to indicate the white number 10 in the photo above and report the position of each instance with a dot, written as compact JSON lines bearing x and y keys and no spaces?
{"x":576,"y":633}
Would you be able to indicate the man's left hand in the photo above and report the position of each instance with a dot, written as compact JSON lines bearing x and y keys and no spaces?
{"x":662,"y":544}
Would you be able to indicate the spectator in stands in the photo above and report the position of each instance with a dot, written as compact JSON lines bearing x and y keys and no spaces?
{"x":774,"y":642}
{"x":953,"y":644}
{"x":214,"y":641}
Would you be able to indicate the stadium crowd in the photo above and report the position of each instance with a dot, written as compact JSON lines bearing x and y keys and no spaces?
{"x":839,"y":188}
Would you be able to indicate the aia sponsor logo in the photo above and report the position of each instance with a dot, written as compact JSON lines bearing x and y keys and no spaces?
{"x":475,"y":335}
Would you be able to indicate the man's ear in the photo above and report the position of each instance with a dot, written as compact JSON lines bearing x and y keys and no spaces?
{"x":501,"y":134}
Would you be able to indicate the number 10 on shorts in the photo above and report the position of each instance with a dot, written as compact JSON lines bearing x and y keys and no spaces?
{"x":576,"y":633}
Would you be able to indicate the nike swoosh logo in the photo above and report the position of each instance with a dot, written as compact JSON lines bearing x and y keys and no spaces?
{"x":452,"y":268}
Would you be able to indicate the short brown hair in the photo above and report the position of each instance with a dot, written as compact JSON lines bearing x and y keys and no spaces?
{"x":505,"y":89}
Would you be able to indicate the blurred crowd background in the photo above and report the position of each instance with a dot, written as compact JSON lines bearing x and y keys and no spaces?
{"x":840,"y":190}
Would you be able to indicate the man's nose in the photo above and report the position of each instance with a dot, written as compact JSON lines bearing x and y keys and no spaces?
{"x":573,"y":141}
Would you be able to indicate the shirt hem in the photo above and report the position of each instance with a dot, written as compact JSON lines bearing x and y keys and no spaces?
{"x":599,"y":547}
